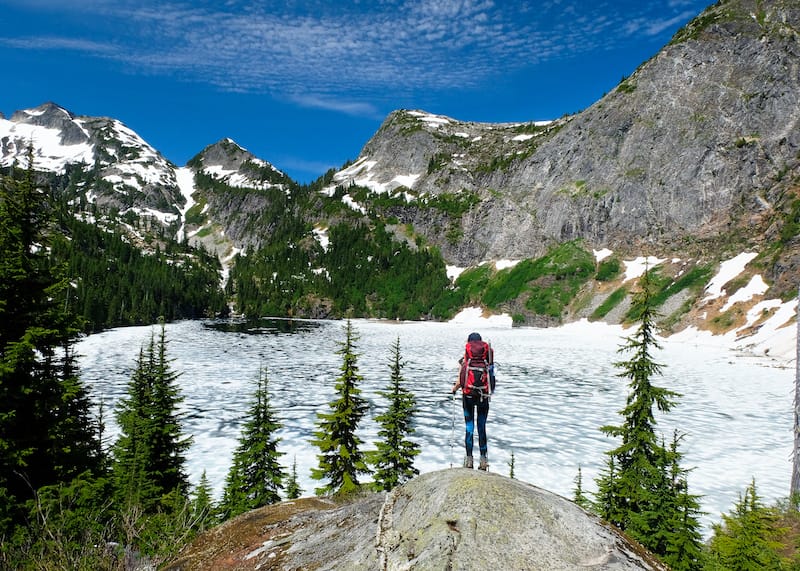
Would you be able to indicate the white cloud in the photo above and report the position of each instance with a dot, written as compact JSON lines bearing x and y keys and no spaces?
{"x":360,"y":51}
{"x":357,"y":108}
{"x":649,"y":26}
{"x":60,"y":43}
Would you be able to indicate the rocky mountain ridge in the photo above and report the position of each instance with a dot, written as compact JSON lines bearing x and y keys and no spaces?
{"x":695,"y":158}
{"x":121,"y":169}
{"x":700,"y":140}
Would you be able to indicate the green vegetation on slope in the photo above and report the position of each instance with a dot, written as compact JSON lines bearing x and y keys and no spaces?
{"x":549,"y":283}
{"x":364,"y":272}
{"x":665,"y":287}
{"x":115,"y":283}
{"x":610,"y":303}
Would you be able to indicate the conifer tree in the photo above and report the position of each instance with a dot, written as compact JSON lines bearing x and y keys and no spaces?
{"x":256,"y":477}
{"x":340,"y":459}
{"x":683,"y":542}
{"x":149,"y":455}
{"x":746,"y":540}
{"x":203,"y":508}
{"x":46,"y":434}
{"x":394,"y":458}
{"x":579,"y":497}
{"x":293,"y":489}
{"x":636,"y":492}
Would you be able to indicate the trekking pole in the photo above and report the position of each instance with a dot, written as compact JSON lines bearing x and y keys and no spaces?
{"x":453,"y":432}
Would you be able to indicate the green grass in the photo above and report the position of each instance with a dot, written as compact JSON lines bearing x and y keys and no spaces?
{"x":665,"y":287}
{"x":472,"y":282}
{"x":609,"y":303}
{"x":195,"y":216}
{"x":550,"y":282}
{"x":694,"y":279}
{"x":455,"y":204}
{"x":726,"y":320}
{"x":608,"y":270}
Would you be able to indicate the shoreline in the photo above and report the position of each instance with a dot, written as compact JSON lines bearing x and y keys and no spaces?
{"x":772,"y":343}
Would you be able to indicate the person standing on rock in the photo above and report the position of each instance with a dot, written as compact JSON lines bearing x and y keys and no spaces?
{"x":476,"y":381}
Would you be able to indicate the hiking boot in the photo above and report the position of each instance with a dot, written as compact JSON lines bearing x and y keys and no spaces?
{"x":484,"y":465}
{"x":468,"y":462}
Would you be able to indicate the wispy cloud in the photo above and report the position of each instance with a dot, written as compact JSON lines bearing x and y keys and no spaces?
{"x":339,"y":56}
{"x":61,"y":43}
{"x":357,"y":108}
{"x":656,"y":26}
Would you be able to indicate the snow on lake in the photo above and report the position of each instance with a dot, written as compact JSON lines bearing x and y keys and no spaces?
{"x":556,"y":387}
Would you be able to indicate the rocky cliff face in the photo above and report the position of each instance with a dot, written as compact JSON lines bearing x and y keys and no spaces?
{"x":452,"y":519}
{"x":231,"y":188}
{"x":700,"y":140}
{"x":113,"y":167}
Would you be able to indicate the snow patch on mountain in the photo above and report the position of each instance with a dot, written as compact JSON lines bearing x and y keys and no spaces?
{"x":363,"y":173}
{"x":321,"y":235}
{"x":475,"y":316}
{"x":635,"y":268}
{"x":136,"y":163}
{"x":600,"y":255}
{"x":185,"y":179}
{"x":49,"y":152}
{"x":504,"y":264}
{"x":237,"y":179}
{"x":756,"y":286}
{"x":432,"y":120}
{"x":728,"y":270}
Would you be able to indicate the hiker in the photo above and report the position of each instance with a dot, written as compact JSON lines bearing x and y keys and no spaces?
{"x":476,"y":381}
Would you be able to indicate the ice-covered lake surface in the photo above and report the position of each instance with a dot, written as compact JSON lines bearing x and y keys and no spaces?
{"x":556,"y":387}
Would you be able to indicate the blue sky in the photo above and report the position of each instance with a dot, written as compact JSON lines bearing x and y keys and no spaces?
{"x":305,"y":84}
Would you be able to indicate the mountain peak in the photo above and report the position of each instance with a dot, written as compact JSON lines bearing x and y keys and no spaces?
{"x":45,"y":114}
{"x":234,"y":165}
{"x":57,"y":136}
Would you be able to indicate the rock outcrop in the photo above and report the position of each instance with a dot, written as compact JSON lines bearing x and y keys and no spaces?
{"x":453,"y":519}
{"x":702,"y":140}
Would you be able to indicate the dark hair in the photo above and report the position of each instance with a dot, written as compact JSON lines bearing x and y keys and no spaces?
{"x":474,"y":337}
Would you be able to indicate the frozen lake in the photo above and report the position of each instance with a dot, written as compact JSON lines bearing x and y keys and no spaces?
{"x":556,"y":387}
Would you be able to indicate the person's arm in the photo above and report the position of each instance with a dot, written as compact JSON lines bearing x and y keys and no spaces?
{"x":458,"y":384}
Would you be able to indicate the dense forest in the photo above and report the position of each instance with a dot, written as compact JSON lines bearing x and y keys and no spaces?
{"x":115,"y":283}
{"x":364,"y":272}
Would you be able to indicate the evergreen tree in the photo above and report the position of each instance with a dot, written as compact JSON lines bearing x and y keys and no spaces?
{"x":46,"y":434}
{"x":340,"y":458}
{"x":684,"y":540}
{"x":149,"y":454}
{"x":394,"y":458}
{"x":746,"y":540}
{"x":168,"y":445}
{"x":203,"y":509}
{"x":512,"y":465}
{"x":293,"y":489}
{"x":256,"y":477}
{"x":637,"y":492}
{"x":579,"y":497}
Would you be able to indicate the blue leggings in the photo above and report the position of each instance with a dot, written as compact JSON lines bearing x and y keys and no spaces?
{"x":471,"y":403}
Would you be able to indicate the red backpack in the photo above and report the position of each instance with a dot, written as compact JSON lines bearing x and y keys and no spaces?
{"x":475,"y":369}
